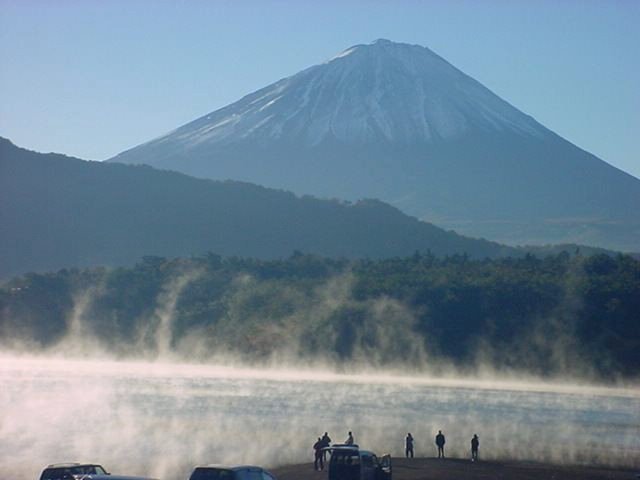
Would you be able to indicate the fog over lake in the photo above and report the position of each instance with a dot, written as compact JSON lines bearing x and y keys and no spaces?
{"x":161,"y":419}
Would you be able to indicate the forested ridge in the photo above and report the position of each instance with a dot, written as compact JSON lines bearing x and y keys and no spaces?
{"x":548,"y":316}
{"x":60,"y":212}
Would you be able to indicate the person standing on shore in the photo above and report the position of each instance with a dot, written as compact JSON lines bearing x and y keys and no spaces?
{"x":475,"y":443}
{"x":440,"y":441}
{"x":318,"y":463}
{"x":408,"y":446}
{"x":326,"y":443}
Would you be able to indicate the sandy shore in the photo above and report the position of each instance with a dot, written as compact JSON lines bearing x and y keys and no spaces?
{"x":456,"y":469}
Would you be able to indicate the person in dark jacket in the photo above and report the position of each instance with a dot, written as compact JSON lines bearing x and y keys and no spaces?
{"x":408,"y":450}
{"x":326,"y":443}
{"x":440,"y":441}
{"x":318,"y":462}
{"x":475,"y":443}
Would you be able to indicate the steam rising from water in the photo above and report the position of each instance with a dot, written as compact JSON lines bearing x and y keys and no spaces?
{"x":159,"y":417}
{"x":325,"y":324}
{"x":162,"y":419}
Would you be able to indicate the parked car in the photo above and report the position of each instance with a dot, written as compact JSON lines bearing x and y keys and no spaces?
{"x":69,"y":471}
{"x":349,"y":462}
{"x":226,"y":472}
{"x":108,"y":476}
{"x":82,"y":471}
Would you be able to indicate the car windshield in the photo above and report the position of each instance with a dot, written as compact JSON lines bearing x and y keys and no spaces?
{"x":67,"y":473}
{"x":346,"y":458}
{"x":211,"y":474}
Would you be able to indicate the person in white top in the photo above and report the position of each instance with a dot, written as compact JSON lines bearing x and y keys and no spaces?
{"x":349,"y":440}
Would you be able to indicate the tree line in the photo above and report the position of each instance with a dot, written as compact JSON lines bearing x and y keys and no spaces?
{"x":552,"y":315}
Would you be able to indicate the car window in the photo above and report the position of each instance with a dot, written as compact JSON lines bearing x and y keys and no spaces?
{"x":250,"y":474}
{"x":367,"y":461}
{"x":345,"y":458}
{"x":211,"y":474}
{"x":53,"y":473}
{"x":267,"y":476}
{"x":63,"y":473}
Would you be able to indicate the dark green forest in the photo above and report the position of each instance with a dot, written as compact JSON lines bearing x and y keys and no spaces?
{"x":554,"y":315}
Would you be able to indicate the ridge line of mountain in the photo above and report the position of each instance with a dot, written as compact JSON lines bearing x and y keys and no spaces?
{"x":59,"y":212}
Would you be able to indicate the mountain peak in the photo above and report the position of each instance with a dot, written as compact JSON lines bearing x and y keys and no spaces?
{"x":385,"y":43}
{"x":382,"y":92}
{"x":382,"y":46}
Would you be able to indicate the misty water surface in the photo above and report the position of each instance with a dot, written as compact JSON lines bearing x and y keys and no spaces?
{"x":162,"y":419}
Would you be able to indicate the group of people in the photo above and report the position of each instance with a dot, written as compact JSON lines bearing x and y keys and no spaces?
{"x":440,"y":441}
{"x":320,"y":447}
{"x":320,"y":452}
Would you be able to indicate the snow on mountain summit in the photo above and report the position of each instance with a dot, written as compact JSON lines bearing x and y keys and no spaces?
{"x":384,"y":91}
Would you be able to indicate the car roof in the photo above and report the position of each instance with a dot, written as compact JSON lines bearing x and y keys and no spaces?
{"x":114,"y":477}
{"x":228,"y":467}
{"x":72,"y":464}
{"x":343,"y":446}
{"x":351,"y":448}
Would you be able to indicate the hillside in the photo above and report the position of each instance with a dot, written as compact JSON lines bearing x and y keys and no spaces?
{"x":399,"y":123}
{"x":58,"y":212}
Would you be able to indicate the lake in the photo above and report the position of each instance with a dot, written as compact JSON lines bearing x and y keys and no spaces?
{"x":161,"y":419}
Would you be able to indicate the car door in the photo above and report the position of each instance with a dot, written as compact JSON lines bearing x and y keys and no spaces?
{"x":384,"y":470}
{"x":367,"y":467}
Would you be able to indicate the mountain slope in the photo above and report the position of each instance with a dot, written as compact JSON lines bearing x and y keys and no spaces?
{"x":57,"y":212}
{"x":399,"y":123}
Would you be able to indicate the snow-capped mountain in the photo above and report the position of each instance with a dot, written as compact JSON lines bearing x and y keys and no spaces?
{"x":381,"y":92}
{"x":397,"y":122}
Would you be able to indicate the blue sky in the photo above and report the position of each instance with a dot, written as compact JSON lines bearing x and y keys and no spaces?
{"x":91,"y":78}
